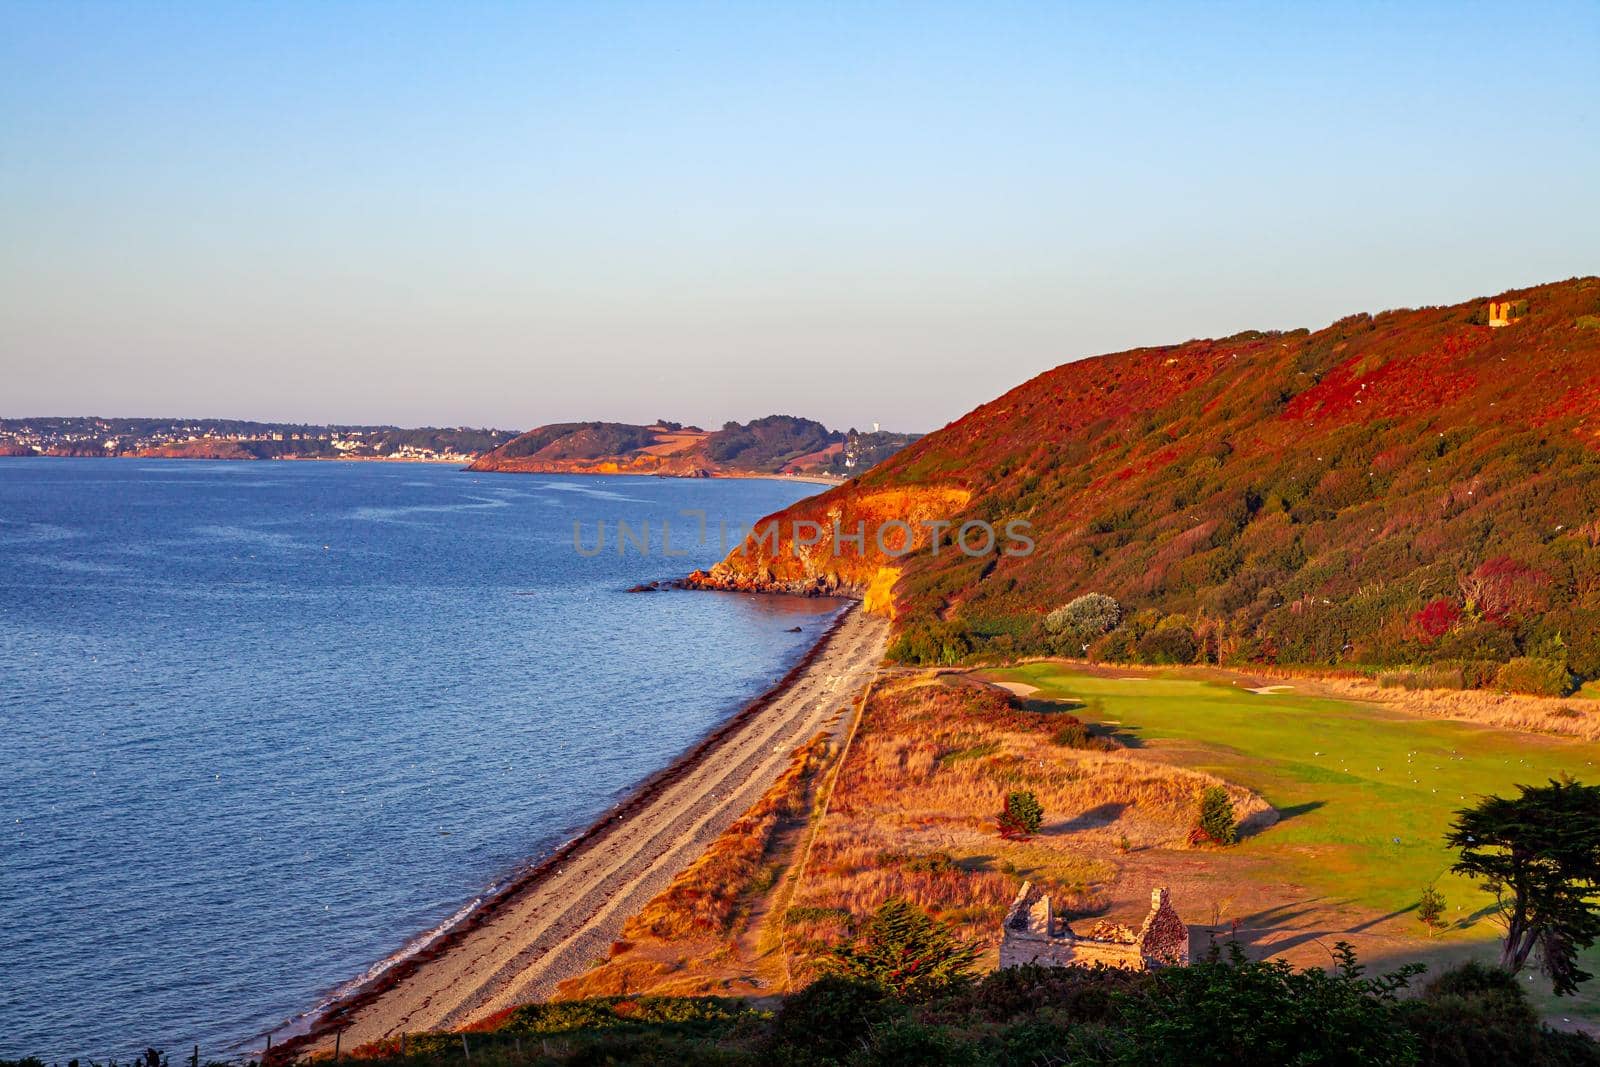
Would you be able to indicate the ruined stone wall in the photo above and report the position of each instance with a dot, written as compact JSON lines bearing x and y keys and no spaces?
{"x":1032,"y":934}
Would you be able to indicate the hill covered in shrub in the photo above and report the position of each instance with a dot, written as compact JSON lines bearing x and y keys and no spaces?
{"x":776,"y":444}
{"x":1411,"y":487}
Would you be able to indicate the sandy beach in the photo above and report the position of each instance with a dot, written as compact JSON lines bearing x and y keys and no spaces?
{"x":557,"y":921}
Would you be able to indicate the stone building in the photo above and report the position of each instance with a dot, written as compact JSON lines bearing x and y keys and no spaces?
{"x":1505,"y":313}
{"x":1031,"y":933}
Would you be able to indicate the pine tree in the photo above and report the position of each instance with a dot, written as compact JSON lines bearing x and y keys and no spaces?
{"x":1021,"y":817}
{"x":1430,"y":908}
{"x":1214,"y":822}
{"x":903,"y":949}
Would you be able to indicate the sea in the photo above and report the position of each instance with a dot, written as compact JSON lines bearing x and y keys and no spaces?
{"x":266,"y":725}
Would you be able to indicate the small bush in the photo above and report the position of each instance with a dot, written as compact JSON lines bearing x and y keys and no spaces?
{"x":1214,"y":821}
{"x":1074,"y":733}
{"x":1083,"y":619}
{"x":1168,"y":645}
{"x":932,"y":863}
{"x":1239,"y":1012}
{"x":1430,"y":908}
{"x":906,"y":952}
{"x":1021,"y":816}
{"x":1477,"y":1016}
{"x":829,"y":1019}
{"x":931,"y":644}
{"x":1538,"y":677}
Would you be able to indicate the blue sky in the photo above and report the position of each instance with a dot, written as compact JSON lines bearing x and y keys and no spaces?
{"x":520,"y":213}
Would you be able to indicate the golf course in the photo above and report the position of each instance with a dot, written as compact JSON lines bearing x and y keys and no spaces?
{"x":1364,"y":795}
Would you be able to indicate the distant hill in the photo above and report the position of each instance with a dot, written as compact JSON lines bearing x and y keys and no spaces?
{"x":1416,"y":486}
{"x":777,"y":444}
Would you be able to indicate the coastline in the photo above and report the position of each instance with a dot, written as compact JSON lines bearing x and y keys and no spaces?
{"x":451,"y":960}
{"x":811,"y":479}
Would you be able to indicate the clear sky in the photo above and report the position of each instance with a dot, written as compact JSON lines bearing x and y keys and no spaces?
{"x":517,"y":213}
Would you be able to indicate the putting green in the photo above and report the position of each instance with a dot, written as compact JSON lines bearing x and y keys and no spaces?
{"x":1365,"y":794}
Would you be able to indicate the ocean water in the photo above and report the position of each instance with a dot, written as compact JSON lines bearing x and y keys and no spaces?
{"x":263,"y":724}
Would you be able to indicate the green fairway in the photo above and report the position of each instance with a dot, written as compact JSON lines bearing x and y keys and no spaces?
{"x":1365,"y":794}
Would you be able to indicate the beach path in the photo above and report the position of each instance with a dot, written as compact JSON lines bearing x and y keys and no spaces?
{"x":560,"y":924}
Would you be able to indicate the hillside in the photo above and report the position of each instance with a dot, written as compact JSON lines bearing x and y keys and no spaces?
{"x":777,"y":444}
{"x":1416,"y":486}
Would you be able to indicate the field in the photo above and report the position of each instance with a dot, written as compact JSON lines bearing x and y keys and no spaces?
{"x":1344,"y":806}
{"x":1364,"y":794}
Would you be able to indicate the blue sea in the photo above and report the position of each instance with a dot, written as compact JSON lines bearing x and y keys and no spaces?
{"x":264,"y":724}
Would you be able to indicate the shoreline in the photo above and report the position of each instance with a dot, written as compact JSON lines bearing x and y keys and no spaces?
{"x":809,"y":479}
{"x":361,"y":1006}
{"x":711,"y":476}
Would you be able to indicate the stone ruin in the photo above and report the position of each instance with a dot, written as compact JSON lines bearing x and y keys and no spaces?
{"x":1031,"y":933}
{"x":1502,"y":314}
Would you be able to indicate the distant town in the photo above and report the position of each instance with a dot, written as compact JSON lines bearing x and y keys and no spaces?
{"x":235,"y":439}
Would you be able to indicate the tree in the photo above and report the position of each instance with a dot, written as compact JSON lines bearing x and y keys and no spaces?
{"x":1430,"y":908}
{"x":1214,"y":822}
{"x":907,"y":952}
{"x":1539,"y":854}
{"x":1021,"y":816}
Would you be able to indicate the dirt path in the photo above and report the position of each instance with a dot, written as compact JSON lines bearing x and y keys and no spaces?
{"x":559,"y":925}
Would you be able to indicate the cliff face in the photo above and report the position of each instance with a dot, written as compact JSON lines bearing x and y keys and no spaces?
{"x":1293,"y":497}
{"x":846,"y":542}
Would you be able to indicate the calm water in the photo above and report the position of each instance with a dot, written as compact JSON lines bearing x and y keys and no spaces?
{"x":263,"y":723}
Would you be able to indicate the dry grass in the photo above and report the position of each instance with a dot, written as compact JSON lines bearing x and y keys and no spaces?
{"x":685,"y":942}
{"x":913,"y":812}
{"x":705,"y":899}
{"x":1513,"y":711}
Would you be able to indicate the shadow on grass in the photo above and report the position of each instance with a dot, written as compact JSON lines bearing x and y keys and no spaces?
{"x":1043,"y":706}
{"x":1294,"y":811}
{"x":1096,"y":818}
{"x":1122,"y":736}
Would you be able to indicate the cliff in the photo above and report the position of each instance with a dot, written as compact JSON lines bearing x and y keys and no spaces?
{"x":1413,"y":485}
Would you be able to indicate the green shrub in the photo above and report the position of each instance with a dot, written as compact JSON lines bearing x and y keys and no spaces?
{"x":906,"y":952}
{"x":1214,"y":821}
{"x":606,"y":1013}
{"x":932,"y":863}
{"x":1430,"y":908}
{"x":1539,"y":677}
{"x":1081,"y":620}
{"x":1235,"y":1012}
{"x":829,"y":1019}
{"x":1168,"y":645}
{"x":1477,"y":1016}
{"x":1075,"y":733}
{"x":931,"y":644}
{"x":1021,"y":816}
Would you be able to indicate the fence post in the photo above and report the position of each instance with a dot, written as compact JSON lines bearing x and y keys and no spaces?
{"x":197,"y":1055}
{"x":337,"y":1034}
{"x":465,"y":1051}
